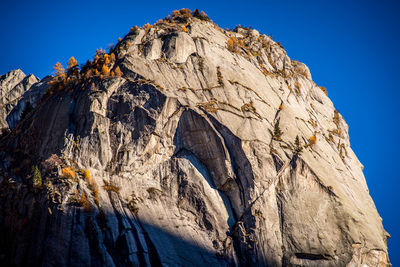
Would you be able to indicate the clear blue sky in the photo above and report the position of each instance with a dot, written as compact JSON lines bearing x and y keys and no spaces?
{"x":351,"y":47}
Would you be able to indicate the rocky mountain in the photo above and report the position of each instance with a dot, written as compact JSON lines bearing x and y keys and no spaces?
{"x":184,"y":145}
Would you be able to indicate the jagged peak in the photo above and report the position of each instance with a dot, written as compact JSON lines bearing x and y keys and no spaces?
{"x":15,"y":72}
{"x":12,"y":74}
{"x":9,"y":80}
{"x":13,"y":77}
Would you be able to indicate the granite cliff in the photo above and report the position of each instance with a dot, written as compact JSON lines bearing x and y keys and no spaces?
{"x":206,"y":147}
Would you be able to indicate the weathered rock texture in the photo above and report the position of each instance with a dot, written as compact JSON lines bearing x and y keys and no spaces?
{"x":16,"y":95}
{"x":185,"y":167}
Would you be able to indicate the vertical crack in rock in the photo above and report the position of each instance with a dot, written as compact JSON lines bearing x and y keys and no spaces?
{"x":196,"y":135}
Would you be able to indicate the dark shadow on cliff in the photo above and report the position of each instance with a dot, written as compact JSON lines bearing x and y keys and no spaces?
{"x":202,"y":169}
{"x":88,"y":242}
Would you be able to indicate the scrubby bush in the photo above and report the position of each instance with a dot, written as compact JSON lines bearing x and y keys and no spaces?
{"x":147,"y":26}
{"x":118,"y":72}
{"x":176,"y":13}
{"x":233,"y":44}
{"x":248,"y":107}
{"x":84,"y":202}
{"x":182,"y":15}
{"x":68,"y":173}
{"x":86,"y":174}
{"x":312,"y":140}
{"x":153,"y":192}
{"x":91,"y":184}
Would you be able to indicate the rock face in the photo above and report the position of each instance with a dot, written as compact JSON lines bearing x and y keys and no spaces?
{"x":188,"y":159}
{"x":13,"y":87}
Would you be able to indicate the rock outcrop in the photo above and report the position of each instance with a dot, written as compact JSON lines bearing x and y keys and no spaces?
{"x":189,"y":159}
{"x":13,"y":86}
{"x":19,"y":94}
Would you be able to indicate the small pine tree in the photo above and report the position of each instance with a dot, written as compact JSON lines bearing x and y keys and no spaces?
{"x":59,"y":71}
{"x":196,"y":13}
{"x":72,"y":63}
{"x":232,"y":44}
{"x":58,"y":78}
{"x":147,"y":26}
{"x":72,"y":69}
{"x":277,"y":132}
{"x":105,"y":70}
{"x":297,"y":146}
{"x":200,"y":15}
{"x":204,"y":16}
{"x":107,"y":59}
{"x":96,"y":58}
{"x":36,"y":177}
{"x":112,"y":57}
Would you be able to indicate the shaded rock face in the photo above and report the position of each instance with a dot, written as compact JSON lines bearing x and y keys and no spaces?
{"x":178,"y":162}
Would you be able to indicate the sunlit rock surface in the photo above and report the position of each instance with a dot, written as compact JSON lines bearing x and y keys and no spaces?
{"x":186,"y":167}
